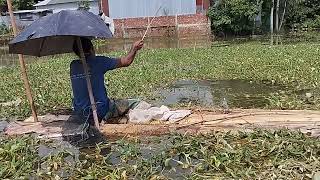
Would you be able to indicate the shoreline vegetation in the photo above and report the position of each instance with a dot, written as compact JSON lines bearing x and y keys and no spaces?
{"x":259,"y":154}
{"x":256,"y":155}
{"x":295,"y":66}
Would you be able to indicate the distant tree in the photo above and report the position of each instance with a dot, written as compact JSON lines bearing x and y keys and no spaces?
{"x":303,"y":13}
{"x":234,"y":16}
{"x":84,"y":5}
{"x":293,"y":13}
{"x":237,"y":16}
{"x":20,"y":4}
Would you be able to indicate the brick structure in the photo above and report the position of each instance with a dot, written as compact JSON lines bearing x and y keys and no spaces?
{"x":164,"y":26}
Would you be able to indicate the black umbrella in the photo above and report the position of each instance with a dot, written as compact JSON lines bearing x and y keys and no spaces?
{"x":56,"y":34}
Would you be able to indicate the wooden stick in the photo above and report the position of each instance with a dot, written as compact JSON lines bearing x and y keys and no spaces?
{"x":145,"y":34}
{"x":23,"y":65}
{"x":86,"y":70}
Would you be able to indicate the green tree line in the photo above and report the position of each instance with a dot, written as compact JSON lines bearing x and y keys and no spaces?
{"x":20,"y":4}
{"x":28,"y":4}
{"x":242,"y":17}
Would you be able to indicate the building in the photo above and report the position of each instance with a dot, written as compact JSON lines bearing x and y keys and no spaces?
{"x":176,"y":18}
{"x":25,"y":17}
{"x":131,"y":17}
{"x":119,"y":9}
{"x":58,"y":5}
{"x":173,"y":17}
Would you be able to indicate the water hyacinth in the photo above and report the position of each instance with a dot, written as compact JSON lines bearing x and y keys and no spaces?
{"x":256,"y":155}
{"x":259,"y":154}
{"x":296,"y":66}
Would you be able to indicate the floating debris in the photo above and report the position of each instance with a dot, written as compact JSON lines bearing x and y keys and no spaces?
{"x":225,"y":106}
{"x":16,"y":102}
{"x":3,"y":125}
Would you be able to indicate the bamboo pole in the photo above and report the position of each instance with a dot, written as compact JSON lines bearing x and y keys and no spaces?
{"x":149,"y":25}
{"x":23,"y":65}
{"x":89,"y":86}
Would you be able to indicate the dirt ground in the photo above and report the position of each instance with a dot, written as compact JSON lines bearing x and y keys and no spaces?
{"x":54,"y":126}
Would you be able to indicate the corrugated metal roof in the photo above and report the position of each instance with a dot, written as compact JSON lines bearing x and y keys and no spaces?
{"x":147,"y":8}
{"x":31,"y":11}
{"x":42,"y":3}
{"x":52,"y":2}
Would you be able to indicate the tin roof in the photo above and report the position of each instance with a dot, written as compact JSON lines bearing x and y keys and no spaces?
{"x":51,"y":2}
{"x":31,"y":11}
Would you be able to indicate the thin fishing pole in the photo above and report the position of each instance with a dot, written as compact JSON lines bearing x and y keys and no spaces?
{"x":145,"y":34}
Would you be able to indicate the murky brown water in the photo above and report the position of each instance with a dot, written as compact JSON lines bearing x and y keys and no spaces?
{"x":120,"y":44}
{"x":155,"y":43}
{"x":222,"y":93}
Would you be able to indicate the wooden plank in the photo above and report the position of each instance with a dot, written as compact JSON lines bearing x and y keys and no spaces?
{"x":54,"y":126}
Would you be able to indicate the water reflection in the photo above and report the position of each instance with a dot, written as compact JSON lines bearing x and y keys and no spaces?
{"x":224,"y":93}
{"x":123,"y":44}
{"x":155,"y":43}
{"x":119,"y":44}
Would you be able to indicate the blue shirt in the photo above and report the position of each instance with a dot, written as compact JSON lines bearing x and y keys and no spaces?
{"x":98,"y":66}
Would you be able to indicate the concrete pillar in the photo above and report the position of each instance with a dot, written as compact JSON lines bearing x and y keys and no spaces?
{"x":199,"y":5}
{"x":202,"y":6}
{"x":206,"y":4}
{"x":105,"y":7}
{"x":177,"y":25}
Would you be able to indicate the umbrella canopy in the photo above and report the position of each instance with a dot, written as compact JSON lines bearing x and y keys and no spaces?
{"x":56,"y":33}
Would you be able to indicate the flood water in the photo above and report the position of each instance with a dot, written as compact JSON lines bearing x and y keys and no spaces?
{"x":119,"y":44}
{"x":222,"y":93}
{"x":124,"y":44}
{"x":155,"y":43}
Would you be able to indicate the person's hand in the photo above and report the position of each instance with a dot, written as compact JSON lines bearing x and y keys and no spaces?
{"x":138,"y":45}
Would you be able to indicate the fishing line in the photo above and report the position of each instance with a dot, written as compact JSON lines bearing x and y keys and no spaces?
{"x":87,"y":112}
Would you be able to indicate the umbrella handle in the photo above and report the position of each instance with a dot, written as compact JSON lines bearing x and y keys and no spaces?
{"x":89,"y":85}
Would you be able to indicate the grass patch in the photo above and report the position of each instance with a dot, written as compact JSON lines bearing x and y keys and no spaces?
{"x":257,"y":155}
{"x":293,"y":65}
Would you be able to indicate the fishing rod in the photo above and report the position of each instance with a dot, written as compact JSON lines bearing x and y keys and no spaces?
{"x":148,"y":27}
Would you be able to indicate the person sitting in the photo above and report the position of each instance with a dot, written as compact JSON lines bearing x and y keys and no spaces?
{"x":98,"y":66}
